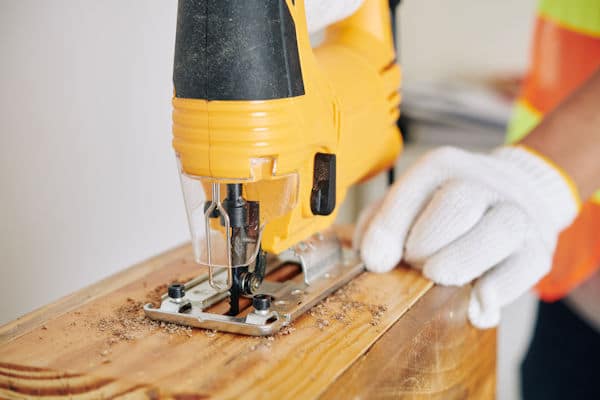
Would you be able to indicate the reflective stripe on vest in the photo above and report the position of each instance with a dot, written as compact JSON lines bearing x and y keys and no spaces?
{"x":577,"y":15}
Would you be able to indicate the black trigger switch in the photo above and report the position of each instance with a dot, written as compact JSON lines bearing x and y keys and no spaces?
{"x":322,"y":199}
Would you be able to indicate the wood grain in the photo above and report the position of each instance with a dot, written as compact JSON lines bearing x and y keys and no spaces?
{"x":436,"y":354}
{"x":61,"y":351}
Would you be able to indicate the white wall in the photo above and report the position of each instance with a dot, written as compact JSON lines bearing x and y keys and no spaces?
{"x":449,"y":38}
{"x":88,"y":181}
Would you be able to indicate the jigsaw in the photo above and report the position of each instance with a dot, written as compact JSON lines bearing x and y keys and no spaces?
{"x":269,"y":134}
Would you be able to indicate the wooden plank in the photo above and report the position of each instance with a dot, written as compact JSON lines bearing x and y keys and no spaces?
{"x":97,"y":344}
{"x":436,"y":354}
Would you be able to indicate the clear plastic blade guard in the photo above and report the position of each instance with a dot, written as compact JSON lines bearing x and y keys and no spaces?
{"x":211,"y":227}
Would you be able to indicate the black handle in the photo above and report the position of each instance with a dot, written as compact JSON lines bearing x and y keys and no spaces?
{"x":236,"y":50}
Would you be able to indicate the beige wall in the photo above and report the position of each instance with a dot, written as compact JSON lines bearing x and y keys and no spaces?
{"x":449,"y":38}
{"x":88,"y":182}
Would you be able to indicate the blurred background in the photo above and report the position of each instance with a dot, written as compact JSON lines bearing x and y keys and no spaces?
{"x":88,"y":181}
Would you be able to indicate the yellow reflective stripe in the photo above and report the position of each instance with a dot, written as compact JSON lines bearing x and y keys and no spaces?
{"x":582,"y":16}
{"x":596,"y":197}
{"x":524,"y":118}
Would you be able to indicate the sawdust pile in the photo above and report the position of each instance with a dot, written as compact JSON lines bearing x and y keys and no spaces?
{"x":341,"y":305}
{"x":128,"y":322}
{"x":154,"y":296}
{"x":210,"y":333}
{"x":286,"y":330}
{"x":264,"y":342}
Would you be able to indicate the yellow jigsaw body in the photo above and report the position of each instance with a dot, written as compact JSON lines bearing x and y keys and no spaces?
{"x":349,"y":108}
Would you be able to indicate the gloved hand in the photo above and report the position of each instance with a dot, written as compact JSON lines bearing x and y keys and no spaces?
{"x":461,"y":216}
{"x":321,"y":13}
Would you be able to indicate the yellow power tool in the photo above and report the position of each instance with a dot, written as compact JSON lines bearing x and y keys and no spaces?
{"x":270,"y":134}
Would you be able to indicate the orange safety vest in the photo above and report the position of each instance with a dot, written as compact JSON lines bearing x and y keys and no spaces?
{"x":565,"y":53}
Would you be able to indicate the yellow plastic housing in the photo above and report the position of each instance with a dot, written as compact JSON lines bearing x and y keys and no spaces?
{"x":350,"y":108}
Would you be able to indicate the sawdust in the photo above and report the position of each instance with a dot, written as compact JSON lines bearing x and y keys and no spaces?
{"x":154,"y":296}
{"x":322,"y":323}
{"x":128,"y":325}
{"x":128,"y":322}
{"x":377,"y":312}
{"x":210,"y":333}
{"x":342,"y":305}
{"x":264,"y":342}
{"x":286,"y":330}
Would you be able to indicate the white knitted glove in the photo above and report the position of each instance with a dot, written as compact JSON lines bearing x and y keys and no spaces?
{"x":321,"y":13}
{"x":461,"y":216}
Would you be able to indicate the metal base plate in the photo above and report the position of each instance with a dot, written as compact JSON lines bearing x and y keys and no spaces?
{"x":325,"y":268}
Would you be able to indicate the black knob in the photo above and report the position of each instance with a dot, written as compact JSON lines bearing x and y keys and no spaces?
{"x":176,"y":291}
{"x":261,"y":302}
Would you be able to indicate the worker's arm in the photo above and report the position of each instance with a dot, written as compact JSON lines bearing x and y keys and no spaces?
{"x":493,"y":218}
{"x":570,"y":136}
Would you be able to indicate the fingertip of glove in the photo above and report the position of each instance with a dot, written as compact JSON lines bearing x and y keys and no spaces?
{"x":378,"y":268}
{"x":482,"y":317}
{"x":378,"y":260}
{"x":378,"y":252}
